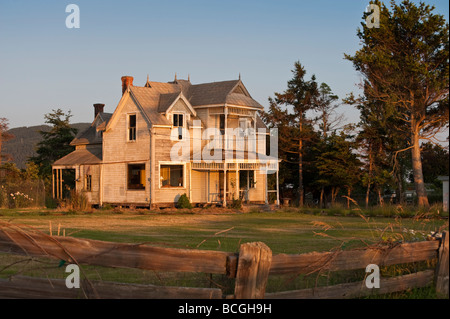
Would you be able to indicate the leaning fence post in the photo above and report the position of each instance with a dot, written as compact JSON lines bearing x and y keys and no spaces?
{"x":442,"y":267}
{"x":252,"y":271}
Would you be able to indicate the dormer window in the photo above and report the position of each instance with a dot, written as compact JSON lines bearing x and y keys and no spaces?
{"x":178,"y":122}
{"x":131,"y":127}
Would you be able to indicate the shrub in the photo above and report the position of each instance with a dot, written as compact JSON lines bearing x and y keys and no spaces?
{"x":77,"y":201}
{"x":183,"y":202}
{"x":51,"y":202}
{"x":236,"y":203}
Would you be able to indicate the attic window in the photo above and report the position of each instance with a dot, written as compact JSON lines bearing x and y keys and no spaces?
{"x":178,"y":122}
{"x":132,"y":127}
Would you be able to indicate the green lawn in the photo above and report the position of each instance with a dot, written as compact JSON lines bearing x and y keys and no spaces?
{"x":285,"y":231}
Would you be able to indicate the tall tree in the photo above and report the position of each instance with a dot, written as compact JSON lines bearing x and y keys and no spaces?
{"x":404,"y":63}
{"x":326,"y":106}
{"x":339,"y":165}
{"x":55,"y":143}
{"x":327,"y":121}
{"x":4,"y":136}
{"x":376,"y":172}
{"x":435,"y":160}
{"x":300,"y":97}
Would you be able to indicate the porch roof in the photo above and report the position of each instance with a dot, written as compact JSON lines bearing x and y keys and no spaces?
{"x":80,"y":157}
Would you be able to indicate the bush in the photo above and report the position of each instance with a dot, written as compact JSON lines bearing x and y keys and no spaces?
{"x":51,"y":202}
{"x":236,"y":203}
{"x":77,"y":201}
{"x":183,"y":202}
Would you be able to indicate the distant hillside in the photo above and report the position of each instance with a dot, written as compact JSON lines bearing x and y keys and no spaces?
{"x":23,"y":145}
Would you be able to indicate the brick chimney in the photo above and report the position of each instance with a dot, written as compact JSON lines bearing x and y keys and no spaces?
{"x":126,"y":82}
{"x":98,"y":108}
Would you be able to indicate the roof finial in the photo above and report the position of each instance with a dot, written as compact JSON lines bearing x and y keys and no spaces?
{"x":189,"y":77}
{"x":175,"y":77}
{"x":239,"y":76}
{"x":147,"y":84}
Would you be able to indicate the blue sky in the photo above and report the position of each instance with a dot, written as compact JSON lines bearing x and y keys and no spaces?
{"x":45,"y":66}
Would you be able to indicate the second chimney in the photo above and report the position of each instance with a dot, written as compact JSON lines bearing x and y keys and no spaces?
{"x":127,"y":81}
{"x":98,"y":108}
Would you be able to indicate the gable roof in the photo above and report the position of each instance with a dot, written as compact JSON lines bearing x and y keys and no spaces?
{"x":242,"y":100}
{"x":211,"y":93}
{"x":156,"y":98}
{"x":148,"y":98}
{"x":90,"y":136}
{"x":166,"y":100}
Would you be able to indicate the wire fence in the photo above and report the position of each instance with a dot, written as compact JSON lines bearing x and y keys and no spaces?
{"x":22,"y":193}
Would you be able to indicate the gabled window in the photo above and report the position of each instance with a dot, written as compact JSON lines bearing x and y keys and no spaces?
{"x":178,"y":122}
{"x":131,"y":127}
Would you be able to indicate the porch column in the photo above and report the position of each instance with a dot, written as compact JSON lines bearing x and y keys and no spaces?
{"x":278,"y":187}
{"x":53,"y":183}
{"x":57,"y":183}
{"x":248,"y":185}
{"x":225,"y":135}
{"x":61,"y":184}
{"x":209,"y":182}
{"x":267,"y":185}
{"x":224,"y":184}
{"x":237,"y":182}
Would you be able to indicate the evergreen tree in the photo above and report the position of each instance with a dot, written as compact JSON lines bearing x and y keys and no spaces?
{"x":55,"y":143}
{"x":326,"y":106}
{"x":435,"y":159}
{"x":293,"y":126}
{"x":327,"y":121}
{"x":404,"y":64}
{"x":339,"y":165}
{"x":4,"y":136}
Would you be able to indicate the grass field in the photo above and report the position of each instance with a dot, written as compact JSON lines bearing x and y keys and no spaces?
{"x":284,"y":231}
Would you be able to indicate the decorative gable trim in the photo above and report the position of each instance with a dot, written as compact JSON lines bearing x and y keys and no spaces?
{"x":240,"y":87}
{"x":127,"y":95}
{"x":185,"y":100}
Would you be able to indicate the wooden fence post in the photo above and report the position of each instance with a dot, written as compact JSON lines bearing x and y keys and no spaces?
{"x":442,"y":267}
{"x":252,"y":271}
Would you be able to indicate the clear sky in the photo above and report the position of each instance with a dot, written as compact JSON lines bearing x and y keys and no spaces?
{"x":45,"y":66}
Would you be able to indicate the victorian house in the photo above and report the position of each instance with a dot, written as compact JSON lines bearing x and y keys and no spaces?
{"x":164,"y":140}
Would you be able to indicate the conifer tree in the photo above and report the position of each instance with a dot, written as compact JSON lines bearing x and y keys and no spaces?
{"x":404,"y":64}
{"x":55,"y":143}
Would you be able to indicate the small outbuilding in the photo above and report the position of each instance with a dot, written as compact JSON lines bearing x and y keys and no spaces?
{"x":444,"y":180}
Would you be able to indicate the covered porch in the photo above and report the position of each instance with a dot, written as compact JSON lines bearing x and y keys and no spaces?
{"x":213,"y":182}
{"x":79,"y":170}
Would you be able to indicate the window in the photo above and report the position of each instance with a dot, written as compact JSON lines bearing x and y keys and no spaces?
{"x":222,"y":124}
{"x":171,"y":175}
{"x":247,"y":178}
{"x":243,"y":127}
{"x":136,"y":176}
{"x":88,"y":183}
{"x":178,"y":122}
{"x":132,"y":127}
